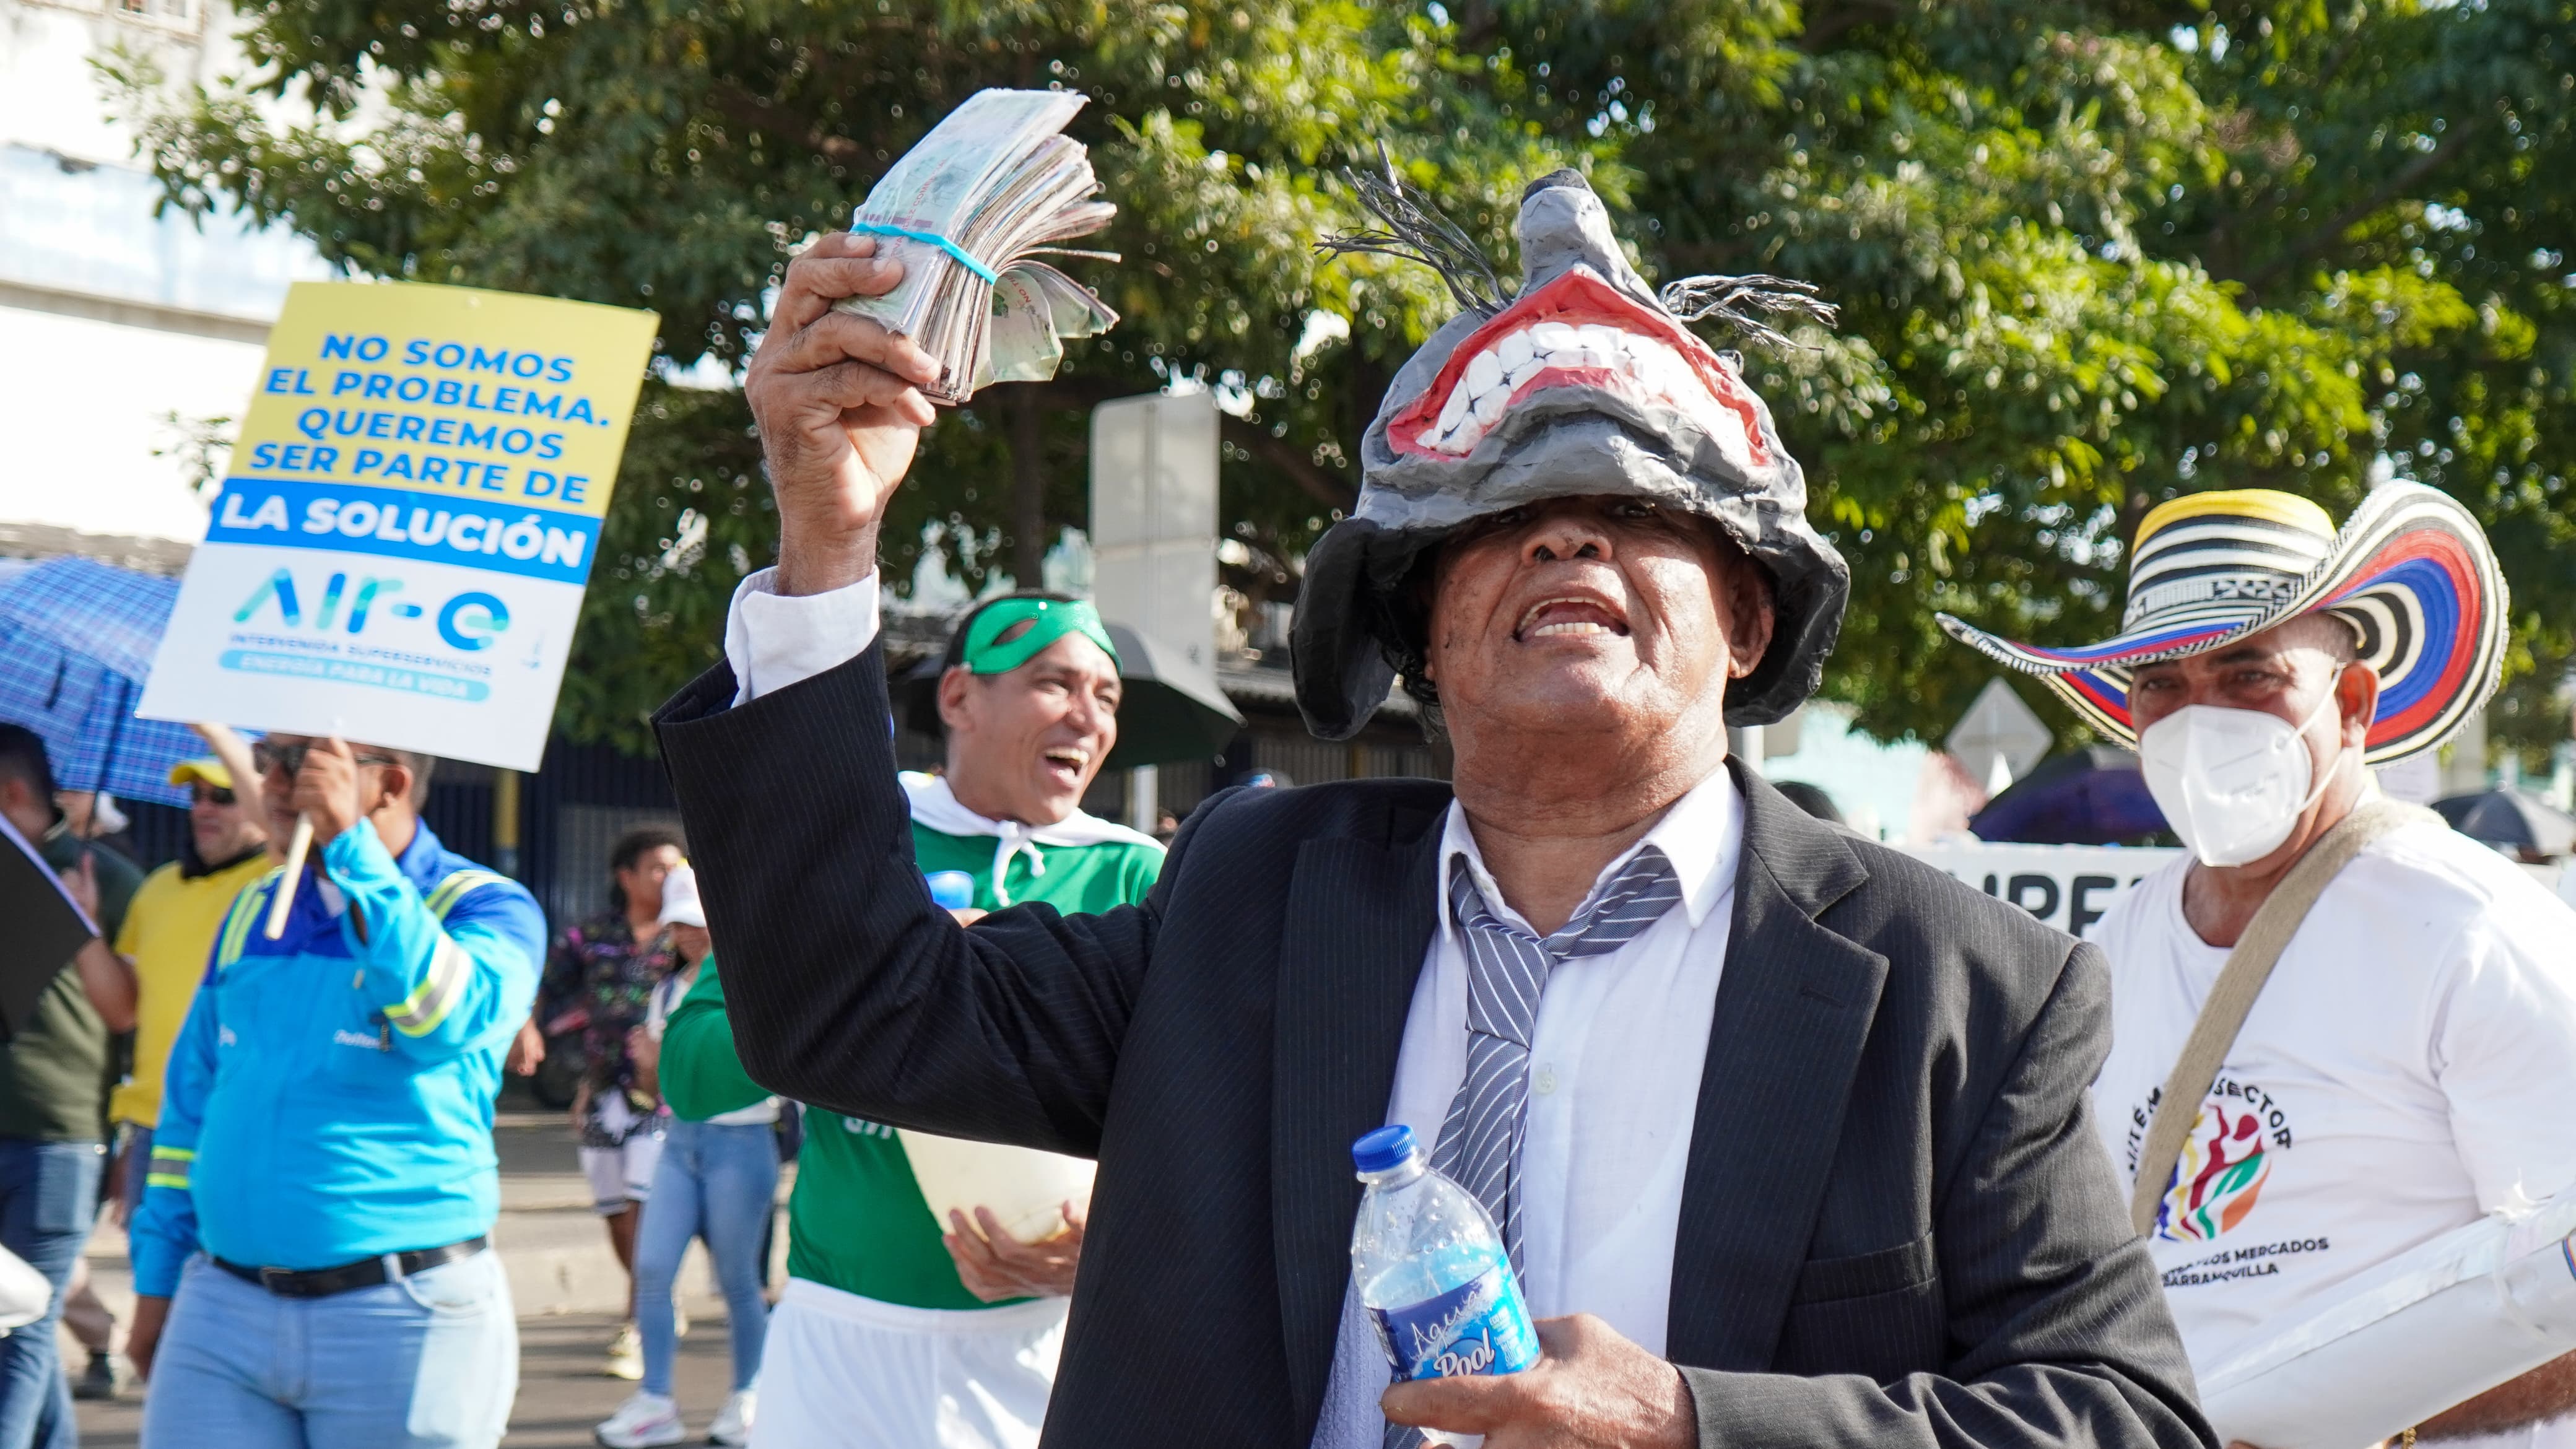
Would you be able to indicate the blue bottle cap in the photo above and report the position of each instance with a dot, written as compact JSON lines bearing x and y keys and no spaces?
{"x":953,"y":890}
{"x":1386,"y":1148}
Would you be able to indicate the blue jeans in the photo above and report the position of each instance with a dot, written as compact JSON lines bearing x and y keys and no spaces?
{"x":48,"y":1199}
{"x":715,"y":1182}
{"x":430,"y":1362}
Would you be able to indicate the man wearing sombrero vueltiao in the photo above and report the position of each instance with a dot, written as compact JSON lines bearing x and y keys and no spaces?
{"x":2409,"y":1064}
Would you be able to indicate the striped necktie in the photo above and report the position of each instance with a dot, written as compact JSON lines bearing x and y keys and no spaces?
{"x":1507,"y":970}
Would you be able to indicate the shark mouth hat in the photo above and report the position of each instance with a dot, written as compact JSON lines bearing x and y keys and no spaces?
{"x":1583,"y":382}
{"x":2410,"y":571}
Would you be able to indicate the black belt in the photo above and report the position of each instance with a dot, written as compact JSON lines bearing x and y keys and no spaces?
{"x":365,"y":1273}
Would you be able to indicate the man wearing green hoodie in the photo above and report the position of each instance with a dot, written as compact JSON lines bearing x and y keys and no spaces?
{"x":896,"y":1330}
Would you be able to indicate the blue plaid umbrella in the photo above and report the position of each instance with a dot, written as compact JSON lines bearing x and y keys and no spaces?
{"x":76,"y":642}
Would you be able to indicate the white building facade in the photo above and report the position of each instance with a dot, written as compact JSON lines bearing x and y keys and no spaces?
{"x":121,"y":332}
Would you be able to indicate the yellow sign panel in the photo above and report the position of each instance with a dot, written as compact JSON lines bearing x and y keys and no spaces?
{"x":493,"y":397}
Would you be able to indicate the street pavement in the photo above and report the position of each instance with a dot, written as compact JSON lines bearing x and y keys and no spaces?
{"x":566,"y":1283}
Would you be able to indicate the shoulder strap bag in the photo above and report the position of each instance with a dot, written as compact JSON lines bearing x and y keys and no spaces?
{"x":2239,"y":982}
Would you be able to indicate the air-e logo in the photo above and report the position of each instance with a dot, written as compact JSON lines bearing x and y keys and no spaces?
{"x":469,"y":621}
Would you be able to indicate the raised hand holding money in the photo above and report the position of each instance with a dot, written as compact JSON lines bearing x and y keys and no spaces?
{"x":838,"y":402}
{"x":935,"y":293}
{"x":970,"y":209}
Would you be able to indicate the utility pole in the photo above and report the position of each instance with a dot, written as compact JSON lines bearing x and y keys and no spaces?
{"x":1028,"y":488}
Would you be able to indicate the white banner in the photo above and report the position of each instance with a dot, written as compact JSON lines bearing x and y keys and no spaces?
{"x":2070,"y":887}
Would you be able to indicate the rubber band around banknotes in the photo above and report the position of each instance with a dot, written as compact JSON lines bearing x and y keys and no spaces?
{"x":964,"y":259}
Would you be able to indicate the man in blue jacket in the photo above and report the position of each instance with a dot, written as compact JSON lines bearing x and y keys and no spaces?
{"x":310,"y":1262}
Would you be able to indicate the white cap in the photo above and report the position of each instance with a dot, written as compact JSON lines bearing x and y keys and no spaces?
{"x":680,"y":899}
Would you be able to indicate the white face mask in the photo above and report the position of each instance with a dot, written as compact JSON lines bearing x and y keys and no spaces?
{"x":2232,"y":782}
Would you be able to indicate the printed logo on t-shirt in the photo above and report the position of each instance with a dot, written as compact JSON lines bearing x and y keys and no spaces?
{"x":2224,"y":1162}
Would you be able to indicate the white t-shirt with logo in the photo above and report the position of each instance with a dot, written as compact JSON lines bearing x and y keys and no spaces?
{"x":2409,"y":1067}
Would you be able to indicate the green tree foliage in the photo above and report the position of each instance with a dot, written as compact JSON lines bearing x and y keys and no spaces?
{"x":2093,"y":255}
{"x":2090,"y":255}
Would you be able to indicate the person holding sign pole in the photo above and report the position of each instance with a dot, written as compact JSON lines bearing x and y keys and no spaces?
{"x":310,"y":1261}
{"x":2339,"y":1028}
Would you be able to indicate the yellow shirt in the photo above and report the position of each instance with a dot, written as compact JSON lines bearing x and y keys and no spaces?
{"x":169,"y":935}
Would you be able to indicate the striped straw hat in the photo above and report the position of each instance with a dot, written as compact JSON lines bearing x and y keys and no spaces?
{"x":2411,"y":571}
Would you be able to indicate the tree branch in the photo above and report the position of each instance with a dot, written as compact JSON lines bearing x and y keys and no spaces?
{"x":741,"y":105}
{"x":1827,"y":24}
{"x":2397,"y":184}
{"x":1061,"y":392}
{"x":2343,"y":50}
{"x":1324,"y":487}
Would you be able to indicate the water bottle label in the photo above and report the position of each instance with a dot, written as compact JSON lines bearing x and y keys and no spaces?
{"x":1479,"y":1327}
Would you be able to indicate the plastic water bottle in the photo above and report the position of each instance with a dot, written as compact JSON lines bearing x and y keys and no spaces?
{"x":1432,"y":1272}
{"x":952,"y":890}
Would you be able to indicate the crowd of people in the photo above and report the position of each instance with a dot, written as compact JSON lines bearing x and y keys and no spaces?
{"x":1791,"y":1139}
{"x":307,"y":1170}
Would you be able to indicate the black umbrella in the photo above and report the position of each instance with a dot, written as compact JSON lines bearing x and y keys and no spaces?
{"x":1170,"y":710}
{"x":2092,"y":796}
{"x":2513,"y":818}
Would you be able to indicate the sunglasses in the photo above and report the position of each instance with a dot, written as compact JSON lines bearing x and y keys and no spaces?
{"x":289,"y":759}
{"x":210,"y":795}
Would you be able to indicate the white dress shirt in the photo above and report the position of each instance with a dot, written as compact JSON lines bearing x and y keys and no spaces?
{"x":1615,"y":1053}
{"x":773,"y":640}
{"x":1615,"y":1061}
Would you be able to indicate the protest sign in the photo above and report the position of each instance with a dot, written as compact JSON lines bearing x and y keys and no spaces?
{"x":2068,"y":886}
{"x":410,"y":514}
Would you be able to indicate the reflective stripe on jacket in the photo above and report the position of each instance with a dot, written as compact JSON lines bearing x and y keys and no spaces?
{"x":330,"y":1096}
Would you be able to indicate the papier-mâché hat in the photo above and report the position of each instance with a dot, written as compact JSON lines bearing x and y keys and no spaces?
{"x":1581,"y":381}
{"x":2410,"y":571}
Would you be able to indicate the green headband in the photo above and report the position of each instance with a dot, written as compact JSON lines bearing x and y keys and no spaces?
{"x":1048,"y":621}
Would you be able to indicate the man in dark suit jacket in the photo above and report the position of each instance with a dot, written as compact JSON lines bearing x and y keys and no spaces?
{"x":1889,"y":1221}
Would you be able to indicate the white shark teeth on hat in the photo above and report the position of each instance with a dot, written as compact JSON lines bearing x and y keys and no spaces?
{"x":1454,"y":412}
{"x":1650,"y":364}
{"x":1554,"y":336}
{"x":1484,"y":373}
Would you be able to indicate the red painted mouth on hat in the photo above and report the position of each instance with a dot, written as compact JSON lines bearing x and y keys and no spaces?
{"x":1578,"y":331}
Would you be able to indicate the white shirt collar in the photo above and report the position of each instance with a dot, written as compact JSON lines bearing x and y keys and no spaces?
{"x":1702,"y":834}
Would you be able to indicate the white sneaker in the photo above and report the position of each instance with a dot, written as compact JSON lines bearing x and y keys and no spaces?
{"x":733,"y":1421}
{"x":626,"y":1359}
{"x":645,"y":1419}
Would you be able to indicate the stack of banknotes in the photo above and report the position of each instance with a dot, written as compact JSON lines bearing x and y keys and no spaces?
{"x":969,"y":209}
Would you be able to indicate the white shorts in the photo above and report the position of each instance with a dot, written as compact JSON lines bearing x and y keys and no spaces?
{"x":844,"y":1372}
{"x":621,"y":1176}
